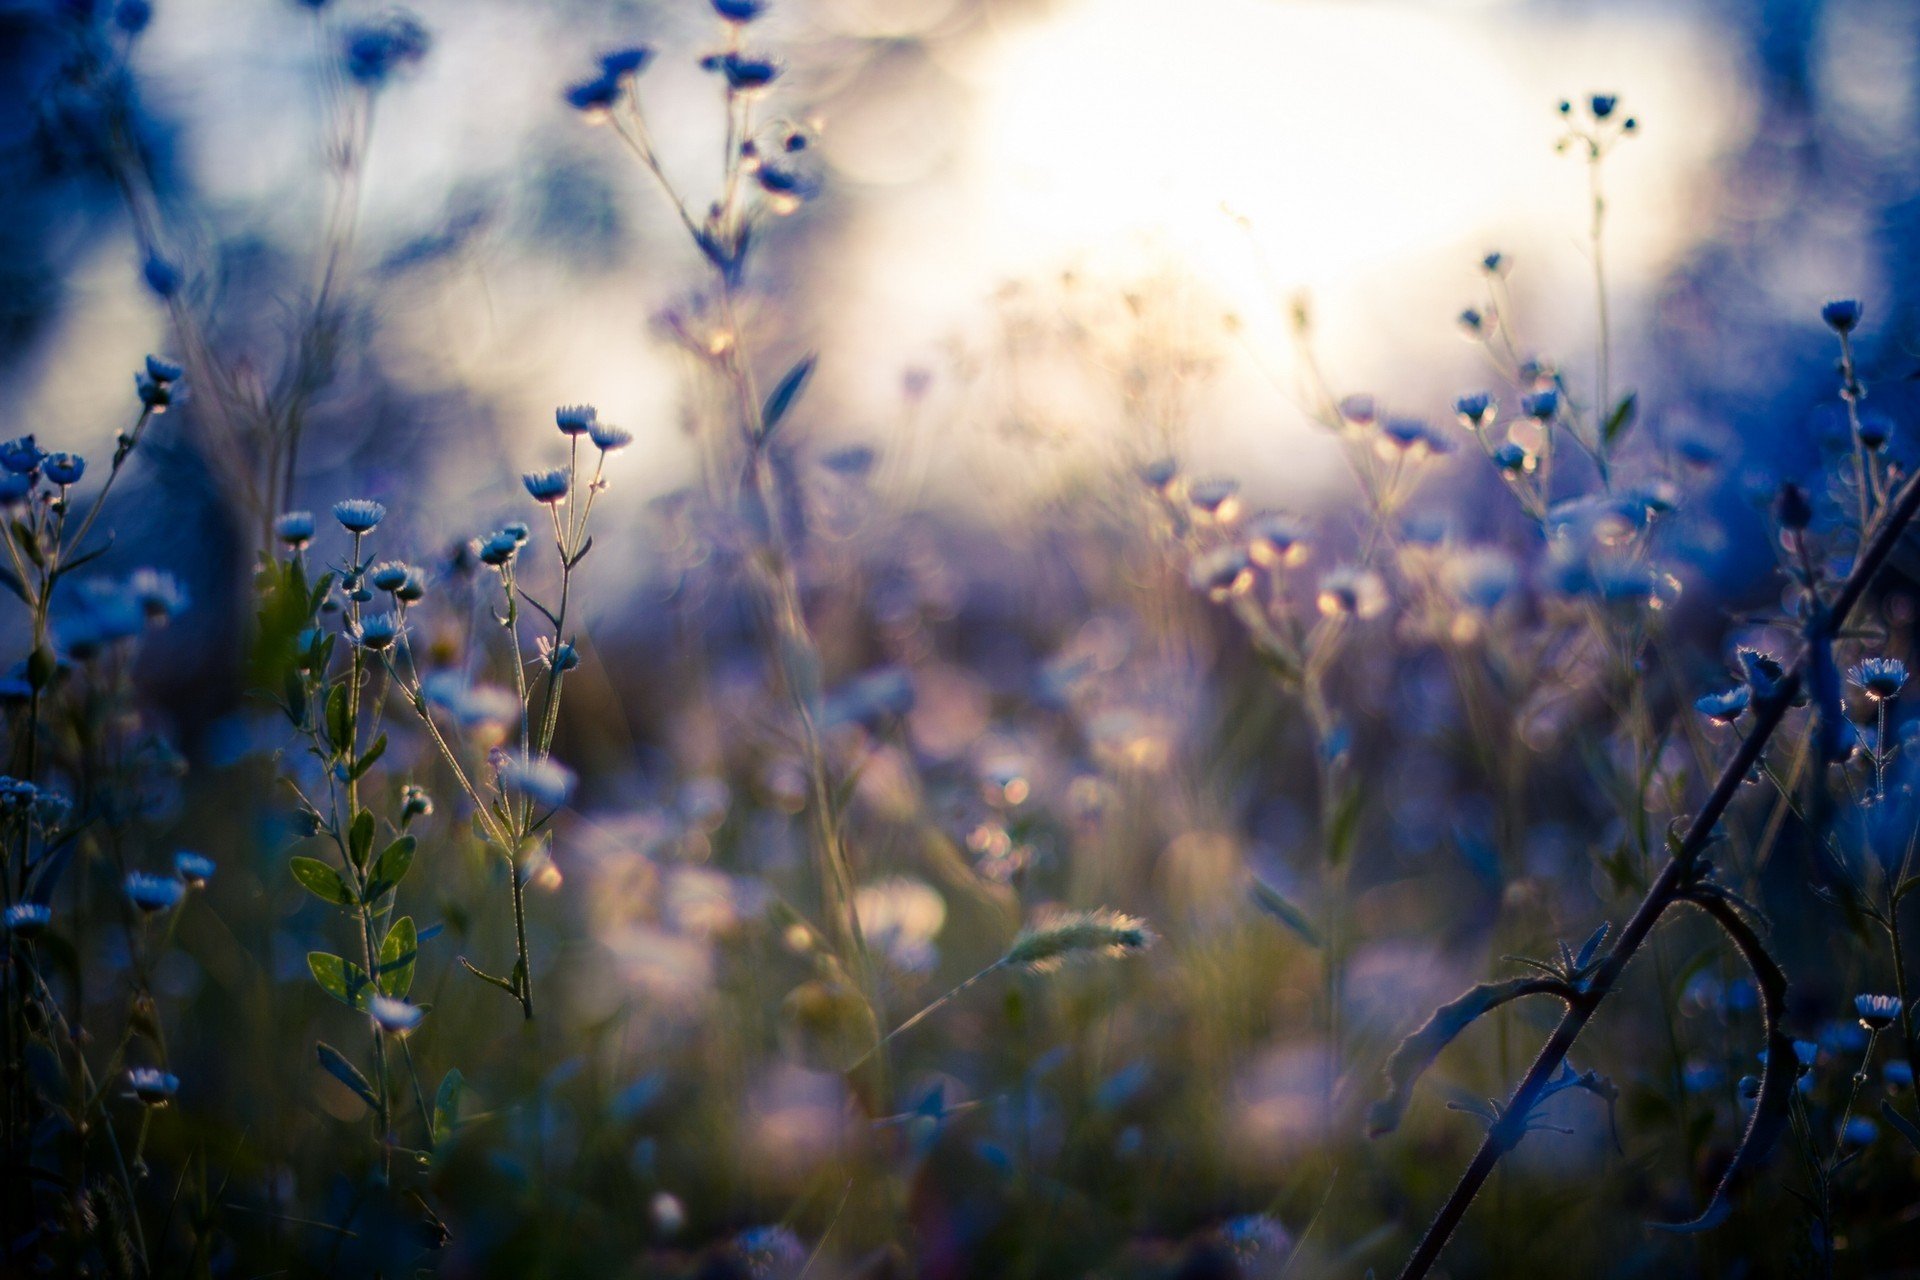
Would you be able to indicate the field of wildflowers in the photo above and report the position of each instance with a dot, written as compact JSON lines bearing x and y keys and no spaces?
{"x":1001,"y":841}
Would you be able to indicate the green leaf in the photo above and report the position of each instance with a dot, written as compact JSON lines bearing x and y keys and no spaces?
{"x":397,"y":954}
{"x":390,"y":868}
{"x":1268,"y":899}
{"x":367,"y":761}
{"x":346,"y":1073}
{"x":322,"y":881}
{"x":782,"y":397}
{"x":342,"y":979}
{"x":338,"y":729}
{"x":1620,"y":421}
{"x":1907,"y":1129}
{"x":360,"y":838}
{"x":446,"y":1105}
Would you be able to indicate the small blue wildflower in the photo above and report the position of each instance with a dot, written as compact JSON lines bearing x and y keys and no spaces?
{"x":359,"y":515}
{"x":1602,"y":105}
{"x":158,"y":594}
{"x":1221,"y":573}
{"x":1541,"y":405}
{"x":1358,"y":410}
{"x":389,"y":575}
{"x":739,"y":11}
{"x":549,"y":487}
{"x":14,"y":488}
{"x":1513,"y":459}
{"x":1472,"y":322}
{"x":630,"y":61}
{"x":21,"y":456}
{"x":295,"y":528}
{"x":374,"y":51}
{"x":155,"y":396}
{"x":596,"y":97}
{"x":64,"y":469}
{"x":395,"y":1017}
{"x":787,"y":185}
{"x":560,"y":657}
{"x":1877,"y":1013}
{"x":153,"y":893}
{"x":517,"y":530}
{"x":1213,"y":496}
{"x":154,"y":1087}
{"x":1476,"y":410}
{"x":1876,"y":429}
{"x":1357,"y":593}
{"x":164,"y":371}
{"x":1725,"y":707}
{"x":1841,"y":315}
{"x":608,"y":438}
{"x":575,"y":419}
{"x":1860,"y":1131}
{"x":1898,"y":1073}
{"x":1255,"y":1235}
{"x":1483,"y":578}
{"x":496,"y":549}
{"x":132,"y":16}
{"x":1276,"y":541}
{"x":194,"y":869}
{"x":1880,"y":678}
{"x":416,"y":803}
{"x":746,"y":73}
{"x":377,"y":631}
{"x":27,"y":919}
{"x":547,"y":782}
{"x":1762,"y":671}
{"x":161,"y":276}
{"x":1160,"y":474}
{"x":1412,"y":437}
{"x":770,"y":1250}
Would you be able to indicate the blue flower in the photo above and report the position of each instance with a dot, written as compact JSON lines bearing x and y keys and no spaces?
{"x":630,"y":61}
{"x":740,"y":11}
{"x":745,"y":72}
{"x":1541,"y":405}
{"x":14,"y":488}
{"x":389,"y":575}
{"x":395,"y":1017}
{"x":26,"y":919}
{"x":547,"y":782}
{"x":549,"y":487}
{"x":1725,"y":707}
{"x":1513,"y":459}
{"x":359,"y":515}
{"x":377,"y":631}
{"x":161,"y":276}
{"x":153,"y":893}
{"x":1475,"y":410}
{"x":1881,"y":678}
{"x":194,"y":869}
{"x":375,"y":50}
{"x":64,"y":468}
{"x":1898,"y":1074}
{"x":594,"y":97}
{"x":575,"y":419}
{"x":1213,"y":496}
{"x":1762,"y":671}
{"x":608,"y":438}
{"x":1875,"y":429}
{"x":1841,"y":315}
{"x":1792,"y":508}
{"x":1877,"y":1013}
{"x":154,"y":1087}
{"x":164,"y":371}
{"x":1602,"y":105}
{"x":497,"y":549}
{"x":158,"y":594}
{"x":1859,"y":1132}
{"x":295,"y":528}
{"x":21,"y":456}
{"x":561,"y":657}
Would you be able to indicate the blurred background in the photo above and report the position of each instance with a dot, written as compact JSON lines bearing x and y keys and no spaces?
{"x":1053,"y":241}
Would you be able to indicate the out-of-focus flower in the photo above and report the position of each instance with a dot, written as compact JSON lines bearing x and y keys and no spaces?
{"x":27,"y":919}
{"x":1352,"y":593}
{"x":153,"y":894}
{"x":395,"y":1017}
{"x":547,"y":782}
{"x":152,"y":1086}
{"x":1877,"y":1013}
{"x":372,"y":52}
{"x":1724,"y":707}
{"x":294,"y":528}
{"x":377,"y":631}
{"x":194,"y":869}
{"x":1842,"y":315}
